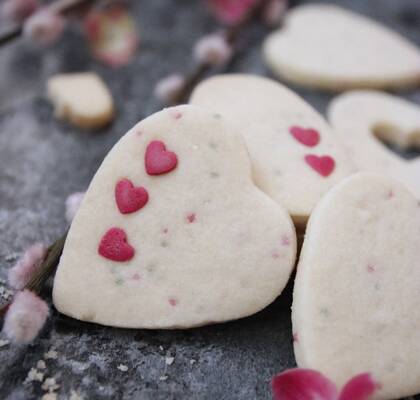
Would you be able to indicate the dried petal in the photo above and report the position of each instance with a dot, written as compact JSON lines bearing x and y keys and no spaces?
{"x":303,"y":384}
{"x":112,"y":35}
{"x":25,"y":317}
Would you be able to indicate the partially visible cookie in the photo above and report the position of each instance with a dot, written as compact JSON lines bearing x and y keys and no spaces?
{"x":295,"y":155}
{"x":356,"y":294}
{"x":328,"y":47}
{"x":361,"y":118}
{"x":82,"y":99}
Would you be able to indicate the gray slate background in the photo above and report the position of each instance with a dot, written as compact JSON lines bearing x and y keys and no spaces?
{"x":42,"y":161}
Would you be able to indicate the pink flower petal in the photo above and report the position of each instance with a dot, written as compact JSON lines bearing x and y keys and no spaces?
{"x":361,"y":387}
{"x":25,"y":317}
{"x":303,"y":384}
{"x":112,"y":35}
{"x":231,"y":11}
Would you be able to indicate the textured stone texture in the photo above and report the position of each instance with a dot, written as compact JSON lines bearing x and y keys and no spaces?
{"x":42,"y":161}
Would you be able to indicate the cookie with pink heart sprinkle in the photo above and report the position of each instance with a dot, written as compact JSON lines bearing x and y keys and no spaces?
{"x":296,"y":157}
{"x":172,"y":232}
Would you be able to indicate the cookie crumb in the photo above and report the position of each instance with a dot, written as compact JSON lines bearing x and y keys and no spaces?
{"x":50,"y":385}
{"x":34,"y":376}
{"x":50,"y":355}
{"x":75,"y":396}
{"x":122,"y":368}
{"x":49,"y":396}
{"x":169,"y":360}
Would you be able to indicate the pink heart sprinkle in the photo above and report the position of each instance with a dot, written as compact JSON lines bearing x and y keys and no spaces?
{"x":130,"y":198}
{"x":158,"y":160}
{"x":114,"y":246}
{"x":307,"y":136}
{"x":323,"y":165}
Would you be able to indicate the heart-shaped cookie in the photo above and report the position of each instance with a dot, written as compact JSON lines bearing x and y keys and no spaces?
{"x":325,"y":46}
{"x":282,"y":132}
{"x":356,"y":295}
{"x":359,"y":117}
{"x":83,"y":99}
{"x":209,"y":246}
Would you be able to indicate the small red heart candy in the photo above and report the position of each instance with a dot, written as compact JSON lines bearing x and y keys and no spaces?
{"x":158,"y":160}
{"x":307,"y":136}
{"x":323,"y":165}
{"x":114,"y":246}
{"x":130,"y":198}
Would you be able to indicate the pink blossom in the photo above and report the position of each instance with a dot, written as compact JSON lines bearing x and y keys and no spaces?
{"x":231,"y":11}
{"x":18,"y":10}
{"x":25,"y":317}
{"x":168,"y":88}
{"x":274,"y":12}
{"x":307,"y":384}
{"x":212,"y":49}
{"x":21,"y":273}
{"x":72,"y":205}
{"x":44,"y":27}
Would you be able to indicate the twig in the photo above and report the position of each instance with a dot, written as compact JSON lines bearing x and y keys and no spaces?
{"x":10,"y":35}
{"x":202,"y":69}
{"x":60,"y":7}
{"x":45,"y":270}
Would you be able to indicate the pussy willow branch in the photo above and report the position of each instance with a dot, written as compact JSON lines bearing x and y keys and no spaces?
{"x":45,"y":270}
{"x":203,"y":68}
{"x":60,"y":7}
